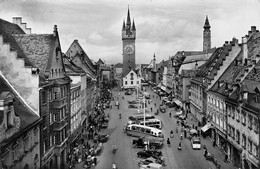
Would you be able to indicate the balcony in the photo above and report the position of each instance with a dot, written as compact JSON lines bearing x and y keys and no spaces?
{"x":58,"y":126}
{"x":58,"y":103}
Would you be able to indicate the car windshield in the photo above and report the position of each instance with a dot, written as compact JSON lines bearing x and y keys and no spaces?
{"x":196,"y":141}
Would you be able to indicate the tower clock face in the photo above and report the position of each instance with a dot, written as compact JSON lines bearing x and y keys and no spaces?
{"x":129,"y":49}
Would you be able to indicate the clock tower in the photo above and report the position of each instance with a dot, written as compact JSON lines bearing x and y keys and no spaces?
{"x":128,"y":38}
{"x":206,"y":36}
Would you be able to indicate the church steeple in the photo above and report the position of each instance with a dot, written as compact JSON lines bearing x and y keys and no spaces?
{"x":206,"y":25}
{"x":128,"y":20}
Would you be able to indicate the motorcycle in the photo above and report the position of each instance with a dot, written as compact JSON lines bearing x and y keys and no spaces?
{"x":171,"y":134}
{"x":168,"y":142}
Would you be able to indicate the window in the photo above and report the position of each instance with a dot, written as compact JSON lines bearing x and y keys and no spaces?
{"x":50,"y":117}
{"x":238,"y":116}
{"x":250,"y":146}
{"x":55,"y":139}
{"x":132,"y":82}
{"x":44,"y":147}
{"x":50,"y":140}
{"x":250,"y":121}
{"x":238,"y":137}
{"x":50,"y":94}
{"x":55,"y":118}
{"x":243,"y":117}
{"x":255,"y":150}
{"x":244,"y":141}
{"x":137,"y":82}
{"x":256,"y":125}
{"x":26,"y":143}
{"x":44,"y":97}
{"x":125,"y":82}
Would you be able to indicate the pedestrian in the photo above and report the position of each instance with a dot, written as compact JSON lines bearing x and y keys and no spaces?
{"x":95,"y":160}
{"x":205,"y":152}
{"x":151,"y":109}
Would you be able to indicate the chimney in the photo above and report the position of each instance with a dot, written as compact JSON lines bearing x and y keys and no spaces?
{"x":17,"y":20}
{"x":253,"y":29}
{"x":235,"y":41}
{"x":55,"y":32}
{"x":244,"y":48}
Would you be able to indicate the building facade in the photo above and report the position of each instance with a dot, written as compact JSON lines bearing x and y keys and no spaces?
{"x":19,"y":130}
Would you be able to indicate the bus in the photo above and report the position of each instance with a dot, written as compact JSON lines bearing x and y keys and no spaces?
{"x":150,"y":133}
{"x":152,"y":123}
{"x":140,"y":117}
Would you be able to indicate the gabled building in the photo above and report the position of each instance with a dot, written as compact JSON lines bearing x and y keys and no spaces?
{"x":131,"y":80}
{"x":239,"y":89}
{"x":33,"y":65}
{"x":77,"y":125}
{"x":77,"y":55}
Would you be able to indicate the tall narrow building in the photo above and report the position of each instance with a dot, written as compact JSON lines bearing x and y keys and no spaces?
{"x":128,"y":38}
{"x":206,"y":36}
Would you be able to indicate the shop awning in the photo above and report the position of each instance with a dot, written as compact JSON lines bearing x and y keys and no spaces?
{"x":206,"y":127}
{"x":178,"y":102}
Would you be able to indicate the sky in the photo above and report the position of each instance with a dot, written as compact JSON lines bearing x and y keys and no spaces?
{"x":163,"y":27}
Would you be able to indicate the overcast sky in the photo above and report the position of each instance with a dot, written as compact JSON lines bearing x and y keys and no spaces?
{"x":163,"y":26}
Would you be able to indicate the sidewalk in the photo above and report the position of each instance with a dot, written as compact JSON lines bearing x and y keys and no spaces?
{"x":216,"y":151}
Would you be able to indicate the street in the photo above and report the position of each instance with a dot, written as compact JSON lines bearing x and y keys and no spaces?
{"x":126,"y":158}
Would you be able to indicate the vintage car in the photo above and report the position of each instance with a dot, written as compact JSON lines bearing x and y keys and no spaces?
{"x":195,"y":143}
{"x":133,"y":102}
{"x":132,"y":106}
{"x":141,"y":143}
{"x":149,"y":153}
{"x":162,"y":109}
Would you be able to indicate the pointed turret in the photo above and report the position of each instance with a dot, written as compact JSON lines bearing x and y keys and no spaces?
{"x":206,"y":25}
{"x":128,"y":21}
{"x":123,"y":28}
{"x":133,"y":26}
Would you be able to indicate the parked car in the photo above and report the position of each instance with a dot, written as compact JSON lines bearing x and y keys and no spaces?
{"x":132,"y":106}
{"x":150,"y":160}
{"x":128,"y":92}
{"x":141,"y":143}
{"x":162,"y":109}
{"x":133,"y":102}
{"x":152,"y":166}
{"x":182,"y":117}
{"x":146,"y":154}
{"x":104,"y":125}
{"x":195,"y":143}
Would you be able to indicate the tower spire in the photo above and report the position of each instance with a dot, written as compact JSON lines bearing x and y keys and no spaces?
{"x":133,"y":26}
{"x":123,"y":28}
{"x":206,"y":25}
{"x":128,"y":21}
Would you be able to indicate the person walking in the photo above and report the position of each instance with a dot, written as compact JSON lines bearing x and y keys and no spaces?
{"x":95,"y":160}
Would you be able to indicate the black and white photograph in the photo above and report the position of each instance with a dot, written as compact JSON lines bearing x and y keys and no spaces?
{"x":129,"y":84}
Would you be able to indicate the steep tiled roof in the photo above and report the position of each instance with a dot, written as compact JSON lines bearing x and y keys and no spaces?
{"x":37,"y":47}
{"x":26,"y":115}
{"x":71,"y":68}
{"x":6,"y":30}
{"x":188,"y":73}
{"x":236,"y":71}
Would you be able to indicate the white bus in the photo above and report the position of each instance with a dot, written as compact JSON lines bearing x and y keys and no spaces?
{"x":137,"y":130}
{"x":152,"y":123}
{"x":140,"y":117}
